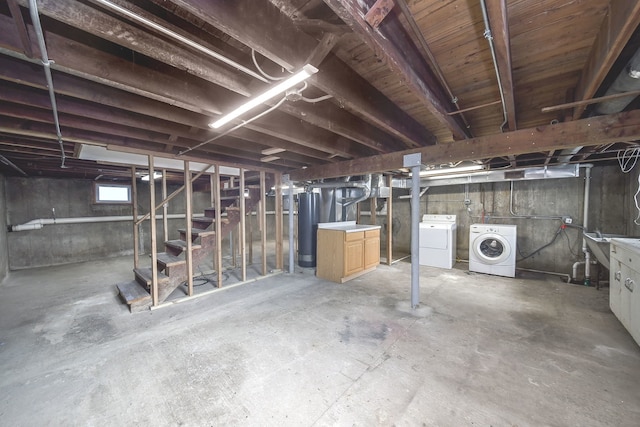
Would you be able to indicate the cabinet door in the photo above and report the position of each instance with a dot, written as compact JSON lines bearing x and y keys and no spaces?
{"x":371,"y":252}
{"x":353,"y":257}
{"x":615,"y":286}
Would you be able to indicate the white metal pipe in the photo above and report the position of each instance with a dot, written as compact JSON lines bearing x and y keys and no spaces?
{"x":180,"y":38}
{"x":489,"y":37}
{"x":36,"y":224}
{"x":35,"y":20}
{"x":585,"y":223}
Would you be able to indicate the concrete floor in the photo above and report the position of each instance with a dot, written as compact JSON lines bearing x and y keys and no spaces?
{"x":296,"y":350}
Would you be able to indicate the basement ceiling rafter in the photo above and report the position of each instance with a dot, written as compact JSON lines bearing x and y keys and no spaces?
{"x":131,"y":86}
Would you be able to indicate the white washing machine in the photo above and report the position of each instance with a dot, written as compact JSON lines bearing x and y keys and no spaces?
{"x":438,"y":241}
{"x":492,"y":249}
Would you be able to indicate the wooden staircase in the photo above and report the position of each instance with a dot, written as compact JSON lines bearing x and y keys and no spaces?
{"x":172,"y":264}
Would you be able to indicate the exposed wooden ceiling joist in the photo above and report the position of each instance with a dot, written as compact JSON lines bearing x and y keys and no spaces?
{"x":620,"y":127}
{"x":393,"y":45}
{"x":622,"y":19}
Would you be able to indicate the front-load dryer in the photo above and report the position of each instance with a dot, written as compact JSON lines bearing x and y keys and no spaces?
{"x":492,"y":249}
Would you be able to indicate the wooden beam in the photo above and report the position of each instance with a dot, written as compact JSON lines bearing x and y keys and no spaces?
{"x":499,"y":24}
{"x":396,"y":47}
{"x":390,"y":221}
{"x":373,"y":207}
{"x":134,"y":211}
{"x":218,"y":221}
{"x":279,"y":220}
{"x":153,"y":231}
{"x":621,"y":21}
{"x":314,"y":25}
{"x":118,"y":31}
{"x":377,"y":12}
{"x":165,"y":207}
{"x":621,"y":127}
{"x":263,"y":221}
{"x":188,"y":214}
{"x":71,"y":58}
{"x":21,"y":28}
{"x":242,"y":236}
{"x":323,"y":48}
{"x":285,"y":44}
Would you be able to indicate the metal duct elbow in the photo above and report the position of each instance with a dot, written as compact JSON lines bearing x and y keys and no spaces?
{"x":628,"y":80}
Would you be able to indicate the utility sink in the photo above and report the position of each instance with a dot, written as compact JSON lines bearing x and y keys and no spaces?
{"x":599,"y":245}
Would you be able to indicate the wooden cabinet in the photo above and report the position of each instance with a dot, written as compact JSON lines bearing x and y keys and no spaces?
{"x":371,"y":248}
{"x":344,"y":253}
{"x":624,"y":283}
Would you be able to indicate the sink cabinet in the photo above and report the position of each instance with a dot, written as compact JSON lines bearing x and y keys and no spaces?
{"x":624,"y":283}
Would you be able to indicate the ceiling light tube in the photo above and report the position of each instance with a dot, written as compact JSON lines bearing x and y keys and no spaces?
{"x":306,"y":72}
{"x":443,"y":171}
{"x":269,"y":158}
{"x":274,"y":150}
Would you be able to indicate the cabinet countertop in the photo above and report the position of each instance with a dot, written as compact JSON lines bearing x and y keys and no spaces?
{"x":347,"y":226}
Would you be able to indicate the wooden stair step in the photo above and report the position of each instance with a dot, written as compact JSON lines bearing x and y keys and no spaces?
{"x":133,"y":292}
{"x":197,"y":232}
{"x":144,"y":276}
{"x":136,"y":297}
{"x":168,"y":260}
{"x":180,"y":244}
{"x":204,"y":220}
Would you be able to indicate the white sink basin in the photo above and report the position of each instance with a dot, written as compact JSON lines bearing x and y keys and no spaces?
{"x":599,"y":246}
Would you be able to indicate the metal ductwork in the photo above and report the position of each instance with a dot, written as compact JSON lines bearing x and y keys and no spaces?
{"x":628,"y":80}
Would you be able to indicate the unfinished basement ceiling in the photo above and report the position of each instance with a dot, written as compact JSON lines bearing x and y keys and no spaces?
{"x":390,"y":70}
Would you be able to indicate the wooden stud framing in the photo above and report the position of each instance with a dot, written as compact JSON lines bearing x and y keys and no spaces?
{"x":263,"y":221}
{"x":390,"y":221}
{"x":153,"y":229}
{"x":242,"y":235}
{"x":188,"y":209}
{"x":279,"y":213}
{"x":134,"y":211}
{"x":250,"y":238}
{"x":373,"y":208}
{"x":212,"y":201}
{"x":218,"y":220}
{"x":165,"y":206}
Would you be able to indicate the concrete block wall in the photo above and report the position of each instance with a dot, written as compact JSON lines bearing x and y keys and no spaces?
{"x":33,"y":198}
{"x":609,"y":212}
{"x":4,"y":253}
{"x":632,"y":185}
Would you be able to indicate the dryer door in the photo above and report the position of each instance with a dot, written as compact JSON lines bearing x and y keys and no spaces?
{"x":491,"y":248}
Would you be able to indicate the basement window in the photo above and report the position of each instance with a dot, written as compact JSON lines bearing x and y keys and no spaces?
{"x":112,"y":193}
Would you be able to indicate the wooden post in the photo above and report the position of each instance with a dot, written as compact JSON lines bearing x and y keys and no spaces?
{"x":153,"y":227}
{"x":390,"y":221}
{"x":212,"y":193}
{"x":373,"y":209}
{"x":357,"y":213}
{"x":263,"y":221}
{"x":218,"y":220}
{"x":242,"y":235}
{"x":134,"y":206}
{"x":188,"y":188}
{"x":279,"y":213}
{"x":250,"y":237}
{"x":233,"y":235}
{"x":165,"y":210}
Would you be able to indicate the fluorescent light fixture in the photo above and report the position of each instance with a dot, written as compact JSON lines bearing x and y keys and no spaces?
{"x":306,"y":72}
{"x":457,"y":170}
{"x":269,"y":158}
{"x":274,"y":150}
{"x":156,"y":175}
